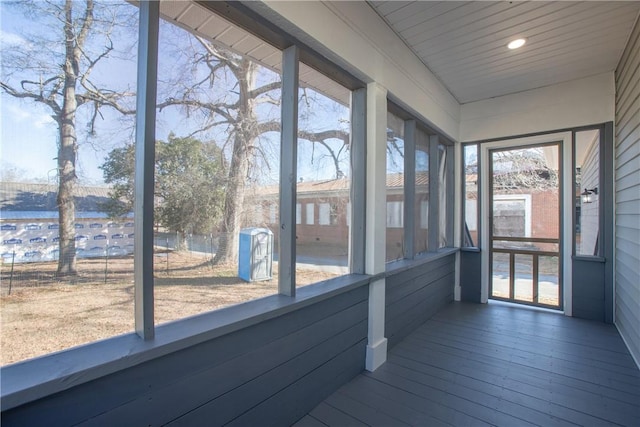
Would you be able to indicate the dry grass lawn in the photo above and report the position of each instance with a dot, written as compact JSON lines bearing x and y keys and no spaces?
{"x":43,"y":315}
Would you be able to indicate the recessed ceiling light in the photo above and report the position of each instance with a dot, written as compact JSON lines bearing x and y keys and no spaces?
{"x":516,"y":43}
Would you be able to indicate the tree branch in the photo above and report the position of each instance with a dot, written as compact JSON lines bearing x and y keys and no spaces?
{"x":87,"y":22}
{"x":198,"y":104}
{"x":207,"y":127}
{"x":264,"y":89}
{"x":327,"y":134}
{"x":85,"y":77}
{"x":35,"y":96}
{"x":226,"y":57}
{"x":316,"y":137}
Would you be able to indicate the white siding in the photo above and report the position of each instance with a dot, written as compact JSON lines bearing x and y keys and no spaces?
{"x":589,"y":213}
{"x":627,"y":165}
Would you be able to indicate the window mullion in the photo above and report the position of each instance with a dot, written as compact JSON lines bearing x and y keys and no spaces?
{"x":450,"y":197}
{"x":144,"y":167}
{"x":358,"y":183}
{"x":434,"y":205}
{"x":409,"y":187}
{"x":288,"y":172}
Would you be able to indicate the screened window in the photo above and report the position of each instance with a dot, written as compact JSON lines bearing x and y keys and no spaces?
{"x":470,"y":178}
{"x":421,"y":201}
{"x":444,"y":237}
{"x":395,"y":187}
{"x":324,"y":175}
{"x":217,"y":167}
{"x":69,"y":273}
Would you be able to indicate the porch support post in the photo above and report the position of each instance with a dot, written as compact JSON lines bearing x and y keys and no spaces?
{"x":376,"y":221}
{"x":144,"y":168}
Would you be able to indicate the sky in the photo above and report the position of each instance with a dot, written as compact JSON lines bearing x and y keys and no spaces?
{"x":28,"y":134}
{"x":21,"y":124}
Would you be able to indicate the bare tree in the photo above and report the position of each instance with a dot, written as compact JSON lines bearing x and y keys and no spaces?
{"x":54,"y":68}
{"x":526,"y":168}
{"x":236,"y":113}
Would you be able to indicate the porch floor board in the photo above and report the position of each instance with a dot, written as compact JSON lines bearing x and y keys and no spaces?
{"x":494,"y":364}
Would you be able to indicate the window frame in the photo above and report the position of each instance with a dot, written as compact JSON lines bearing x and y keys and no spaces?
{"x":292,"y":56}
{"x":463,"y":208}
{"x":412,"y":126}
{"x":324,"y":213}
{"x":35,"y":378}
{"x":309,"y":209}
{"x":600,"y":198}
{"x":399,"y":221}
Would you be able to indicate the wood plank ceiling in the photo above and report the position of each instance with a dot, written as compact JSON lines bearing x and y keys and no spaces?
{"x":464,"y":43}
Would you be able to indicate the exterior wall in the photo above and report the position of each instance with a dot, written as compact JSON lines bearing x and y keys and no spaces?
{"x":589,"y":218}
{"x":627,"y":195}
{"x":543,"y":224}
{"x":310,"y":230}
{"x":576,"y":103}
{"x":414,"y":295}
{"x":336,"y":232}
{"x":271,"y":373}
{"x":536,"y":213}
{"x":36,"y":239}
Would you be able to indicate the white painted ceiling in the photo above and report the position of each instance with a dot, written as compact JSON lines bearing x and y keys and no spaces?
{"x":464,"y":43}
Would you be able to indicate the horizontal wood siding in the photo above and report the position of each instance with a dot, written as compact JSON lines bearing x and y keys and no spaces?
{"x":627,"y":176}
{"x":271,"y":373}
{"x":416,"y":294}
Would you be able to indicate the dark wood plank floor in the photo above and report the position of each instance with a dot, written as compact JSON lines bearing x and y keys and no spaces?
{"x":494,"y":364}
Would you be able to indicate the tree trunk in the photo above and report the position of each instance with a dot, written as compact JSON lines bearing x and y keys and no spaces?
{"x":233,"y":205}
{"x":181,"y":242}
{"x":245,"y":130}
{"x":67,"y":152}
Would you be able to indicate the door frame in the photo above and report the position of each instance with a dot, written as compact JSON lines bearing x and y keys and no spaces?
{"x":566,"y":205}
{"x":527,"y":231}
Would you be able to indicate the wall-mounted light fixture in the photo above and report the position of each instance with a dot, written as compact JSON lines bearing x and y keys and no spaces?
{"x":587,"y":195}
